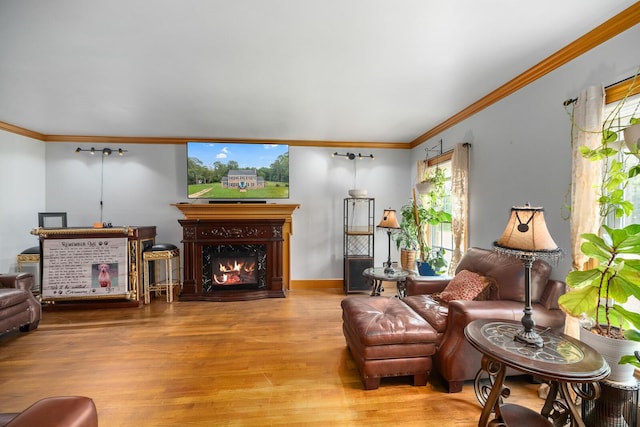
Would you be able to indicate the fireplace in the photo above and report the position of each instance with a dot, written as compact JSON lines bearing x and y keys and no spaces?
{"x":232,"y":260}
{"x":232,"y":239}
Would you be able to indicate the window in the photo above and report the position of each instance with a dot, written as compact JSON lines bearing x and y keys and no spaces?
{"x":454,"y":165}
{"x":631,"y":108}
{"x":441,"y":236}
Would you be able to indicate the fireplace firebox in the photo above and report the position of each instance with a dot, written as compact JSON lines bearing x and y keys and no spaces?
{"x":234,"y":266}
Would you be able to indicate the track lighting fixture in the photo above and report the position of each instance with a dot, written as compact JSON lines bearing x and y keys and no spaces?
{"x":105,"y":151}
{"x":353,"y":156}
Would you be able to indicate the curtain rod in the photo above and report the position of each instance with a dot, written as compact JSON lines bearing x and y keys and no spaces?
{"x":444,"y":156}
{"x":570,"y":101}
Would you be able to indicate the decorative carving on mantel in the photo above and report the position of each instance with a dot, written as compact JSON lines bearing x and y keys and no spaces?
{"x":224,"y":232}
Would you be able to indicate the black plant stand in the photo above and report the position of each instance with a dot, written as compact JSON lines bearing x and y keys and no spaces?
{"x":617,"y":406}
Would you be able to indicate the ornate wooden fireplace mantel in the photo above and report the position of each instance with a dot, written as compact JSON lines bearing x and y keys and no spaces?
{"x":267,"y":226}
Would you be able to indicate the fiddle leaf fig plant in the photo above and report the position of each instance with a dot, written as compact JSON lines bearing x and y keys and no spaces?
{"x":599,"y":291}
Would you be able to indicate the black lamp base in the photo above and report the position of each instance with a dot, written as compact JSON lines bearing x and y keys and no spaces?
{"x":530,"y":338}
{"x":387,"y":265}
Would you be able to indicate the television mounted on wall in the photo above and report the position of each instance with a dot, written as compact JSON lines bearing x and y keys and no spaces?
{"x":237,"y":171}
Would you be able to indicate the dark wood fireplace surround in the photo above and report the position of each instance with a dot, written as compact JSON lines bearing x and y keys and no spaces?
{"x":206,"y":226}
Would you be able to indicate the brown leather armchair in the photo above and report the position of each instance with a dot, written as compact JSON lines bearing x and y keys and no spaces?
{"x":455,"y":359}
{"x":58,"y":411}
{"x":18,"y":306}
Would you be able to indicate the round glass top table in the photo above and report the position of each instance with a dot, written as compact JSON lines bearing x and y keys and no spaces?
{"x":377,"y":275}
{"x":564,"y":362}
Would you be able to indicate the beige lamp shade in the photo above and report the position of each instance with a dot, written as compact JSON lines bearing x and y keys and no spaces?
{"x":389,"y":219}
{"x":527,"y":232}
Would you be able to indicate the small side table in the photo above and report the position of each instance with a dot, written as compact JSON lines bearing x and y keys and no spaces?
{"x":377,"y":275}
{"x":563,"y":361}
{"x":31,"y":258}
{"x":617,"y":405}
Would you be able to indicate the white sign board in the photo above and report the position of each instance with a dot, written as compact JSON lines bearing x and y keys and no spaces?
{"x":84,"y":268}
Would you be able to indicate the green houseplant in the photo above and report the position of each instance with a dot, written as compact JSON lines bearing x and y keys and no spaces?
{"x":416,"y":217}
{"x":598,"y":292}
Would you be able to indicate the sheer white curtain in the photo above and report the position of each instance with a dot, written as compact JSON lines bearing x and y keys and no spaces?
{"x":587,"y":118}
{"x":459,"y":202}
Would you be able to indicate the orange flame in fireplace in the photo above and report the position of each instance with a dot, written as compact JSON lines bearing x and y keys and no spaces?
{"x":229,"y":268}
{"x":230,"y":274}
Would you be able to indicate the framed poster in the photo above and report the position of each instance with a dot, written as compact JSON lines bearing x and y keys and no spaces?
{"x":52,"y":219}
{"x":85,"y":268}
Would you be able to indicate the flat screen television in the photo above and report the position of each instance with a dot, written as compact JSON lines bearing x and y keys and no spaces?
{"x":237,"y":171}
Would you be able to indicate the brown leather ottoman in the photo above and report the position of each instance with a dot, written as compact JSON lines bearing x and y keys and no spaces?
{"x":387,"y":339}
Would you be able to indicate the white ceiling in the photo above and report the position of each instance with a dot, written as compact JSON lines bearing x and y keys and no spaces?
{"x":341,"y":70}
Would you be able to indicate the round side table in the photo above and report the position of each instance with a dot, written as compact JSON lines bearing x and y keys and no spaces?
{"x":378,"y":275}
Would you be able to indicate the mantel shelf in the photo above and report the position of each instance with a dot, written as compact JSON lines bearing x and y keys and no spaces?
{"x":237,"y":210}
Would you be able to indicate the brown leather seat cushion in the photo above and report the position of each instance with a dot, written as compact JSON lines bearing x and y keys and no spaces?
{"x":430,"y":309}
{"x":379,"y":321}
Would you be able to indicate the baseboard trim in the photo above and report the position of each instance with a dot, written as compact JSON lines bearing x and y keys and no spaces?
{"x":316,"y":284}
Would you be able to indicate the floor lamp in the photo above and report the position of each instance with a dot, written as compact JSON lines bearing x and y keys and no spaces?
{"x":527,"y":238}
{"x":390,"y":222}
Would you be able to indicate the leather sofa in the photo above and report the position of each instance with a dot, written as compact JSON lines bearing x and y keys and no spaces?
{"x":18,"y":307}
{"x":58,"y":411}
{"x":455,"y":359}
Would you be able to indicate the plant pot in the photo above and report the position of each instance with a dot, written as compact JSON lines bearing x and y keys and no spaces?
{"x":358,"y":193}
{"x":612,"y":350}
{"x":423,"y":187}
{"x":632,"y":137}
{"x":425,"y":269}
{"x":408,"y":259}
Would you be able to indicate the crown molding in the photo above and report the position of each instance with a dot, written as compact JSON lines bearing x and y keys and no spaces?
{"x":21,"y":131}
{"x":183,"y":140}
{"x":621,"y":22}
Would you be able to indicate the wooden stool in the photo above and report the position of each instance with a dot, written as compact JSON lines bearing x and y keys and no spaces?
{"x":30,"y":256}
{"x":170,"y":256}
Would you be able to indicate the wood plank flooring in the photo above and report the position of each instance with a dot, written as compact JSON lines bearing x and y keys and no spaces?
{"x":268,"y":362}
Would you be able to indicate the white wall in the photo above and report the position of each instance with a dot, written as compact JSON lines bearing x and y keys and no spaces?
{"x":520,"y":146}
{"x":22,"y":195}
{"x":139,"y":187}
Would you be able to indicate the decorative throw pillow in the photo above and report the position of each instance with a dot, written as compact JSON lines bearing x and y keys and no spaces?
{"x":490,"y":291}
{"x":466,"y":285}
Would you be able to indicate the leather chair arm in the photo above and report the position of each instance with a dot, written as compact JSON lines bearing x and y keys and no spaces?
{"x":423,"y":285}
{"x":22,"y":281}
{"x":58,"y":411}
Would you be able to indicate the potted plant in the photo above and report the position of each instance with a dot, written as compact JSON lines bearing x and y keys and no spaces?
{"x":597,"y":293}
{"x":632,"y":136}
{"x":414,"y":220}
{"x":432,"y":182}
{"x":406,"y":238}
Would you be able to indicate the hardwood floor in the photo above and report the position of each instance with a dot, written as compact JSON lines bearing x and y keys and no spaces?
{"x":255,"y":363}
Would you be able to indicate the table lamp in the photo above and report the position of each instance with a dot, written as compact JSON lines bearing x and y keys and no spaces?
{"x":390,"y":222}
{"x":527,"y":238}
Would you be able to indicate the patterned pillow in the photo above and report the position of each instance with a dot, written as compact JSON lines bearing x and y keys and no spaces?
{"x":466,"y":285}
